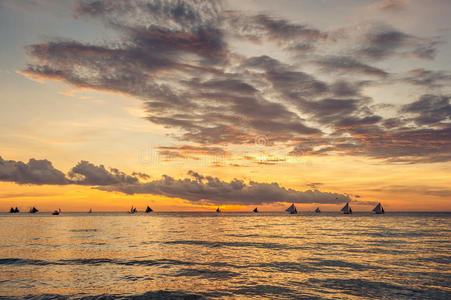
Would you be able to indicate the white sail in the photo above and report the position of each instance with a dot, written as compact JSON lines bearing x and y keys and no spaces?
{"x":291,"y":209}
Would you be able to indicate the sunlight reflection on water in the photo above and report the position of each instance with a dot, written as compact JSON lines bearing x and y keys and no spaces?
{"x":398,"y":255}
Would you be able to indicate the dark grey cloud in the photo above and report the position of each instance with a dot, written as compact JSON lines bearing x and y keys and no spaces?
{"x":141,"y":175}
{"x":215,"y":191}
{"x":355,"y":121}
{"x":196,"y":188}
{"x":331,"y":110}
{"x":265,"y":27}
{"x":427,"y":78}
{"x":381,"y":42}
{"x":430,"y":109}
{"x":345,"y":64}
{"x":86,"y":173}
{"x":34,"y":172}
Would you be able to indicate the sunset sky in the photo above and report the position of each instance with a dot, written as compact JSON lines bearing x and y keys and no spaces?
{"x":190,"y":105}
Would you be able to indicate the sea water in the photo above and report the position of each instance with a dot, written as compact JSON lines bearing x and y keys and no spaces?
{"x":226,"y":255}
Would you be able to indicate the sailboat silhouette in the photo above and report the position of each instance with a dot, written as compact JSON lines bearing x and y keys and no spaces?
{"x":378,"y":209}
{"x":347,"y":209}
{"x":292,"y":209}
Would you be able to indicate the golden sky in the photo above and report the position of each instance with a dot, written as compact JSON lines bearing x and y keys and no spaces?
{"x":237,"y":104}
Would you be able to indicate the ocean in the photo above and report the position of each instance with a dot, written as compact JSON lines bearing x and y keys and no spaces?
{"x":227,"y":255}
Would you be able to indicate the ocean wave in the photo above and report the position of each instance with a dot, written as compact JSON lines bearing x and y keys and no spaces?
{"x":218,"y":244}
{"x":377,"y":289}
{"x":157,"y":295}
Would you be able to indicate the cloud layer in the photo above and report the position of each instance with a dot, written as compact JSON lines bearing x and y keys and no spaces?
{"x":179,"y":57}
{"x":196,"y":189}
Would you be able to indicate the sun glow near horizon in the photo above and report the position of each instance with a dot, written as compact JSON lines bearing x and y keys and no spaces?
{"x":193,"y":105}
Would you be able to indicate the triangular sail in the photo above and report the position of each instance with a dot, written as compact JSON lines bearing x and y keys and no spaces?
{"x":345,"y":208}
{"x":255,"y":209}
{"x":378,"y":209}
{"x":291,"y":209}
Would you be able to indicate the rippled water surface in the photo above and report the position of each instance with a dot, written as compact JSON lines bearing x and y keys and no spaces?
{"x":230,"y":255}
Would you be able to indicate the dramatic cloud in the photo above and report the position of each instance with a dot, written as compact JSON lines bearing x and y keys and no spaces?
{"x":33,"y":172}
{"x":430,"y":109}
{"x":216,"y":191}
{"x":195,"y":189}
{"x":179,"y":58}
{"x":87,"y":173}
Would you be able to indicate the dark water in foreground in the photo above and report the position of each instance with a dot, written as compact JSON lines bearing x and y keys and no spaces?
{"x":231,"y":255}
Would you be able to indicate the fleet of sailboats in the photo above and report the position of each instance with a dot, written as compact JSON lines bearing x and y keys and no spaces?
{"x":347,"y":210}
{"x":14,"y":210}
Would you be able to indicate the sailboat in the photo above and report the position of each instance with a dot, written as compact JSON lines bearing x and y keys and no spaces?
{"x":14,"y":210}
{"x":218,"y":210}
{"x":347,"y":209}
{"x":132,"y":210}
{"x":148,"y":209}
{"x":292,"y":209}
{"x":56,"y":212}
{"x":33,"y":210}
{"x":317,"y":210}
{"x":378,"y":209}
{"x":255,"y":210}
{"x":90,"y":211}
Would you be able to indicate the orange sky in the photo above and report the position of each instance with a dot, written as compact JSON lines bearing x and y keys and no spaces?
{"x":350,"y":99}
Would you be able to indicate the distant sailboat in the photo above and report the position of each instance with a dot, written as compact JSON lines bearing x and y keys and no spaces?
{"x":317,"y":210}
{"x":347,"y":209}
{"x":292,"y":209}
{"x":255,"y":210}
{"x":56,"y":212}
{"x":132,"y":210}
{"x":218,"y":210}
{"x":33,"y":210}
{"x":14,"y":210}
{"x":90,"y":211}
{"x":148,"y":209}
{"x":378,"y":209}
